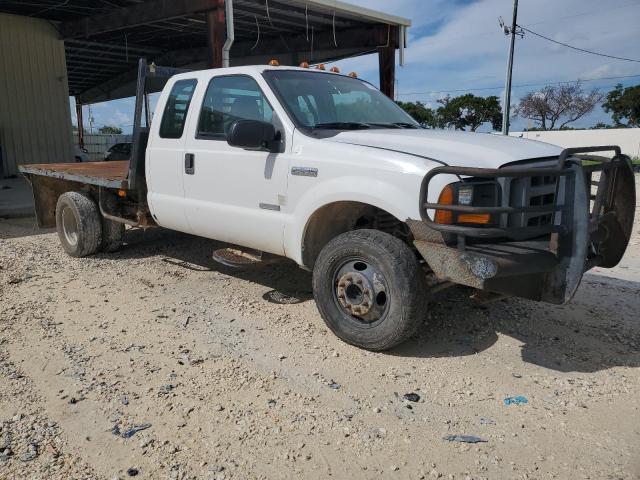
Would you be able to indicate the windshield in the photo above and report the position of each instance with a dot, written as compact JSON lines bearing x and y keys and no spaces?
{"x":328,"y":101}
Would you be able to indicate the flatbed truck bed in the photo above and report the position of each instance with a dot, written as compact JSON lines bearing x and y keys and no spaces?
{"x":102,"y":174}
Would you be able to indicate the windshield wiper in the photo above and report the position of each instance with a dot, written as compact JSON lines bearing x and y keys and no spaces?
{"x":342,"y":125}
{"x":393,"y":125}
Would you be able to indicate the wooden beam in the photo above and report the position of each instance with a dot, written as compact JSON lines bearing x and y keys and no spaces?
{"x":362,"y":37}
{"x":143,"y":13}
{"x":216,"y":36}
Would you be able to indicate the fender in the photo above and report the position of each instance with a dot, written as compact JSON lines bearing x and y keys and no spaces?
{"x":400,"y":199}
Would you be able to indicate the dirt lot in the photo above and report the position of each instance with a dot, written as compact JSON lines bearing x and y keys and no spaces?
{"x":236,"y":387}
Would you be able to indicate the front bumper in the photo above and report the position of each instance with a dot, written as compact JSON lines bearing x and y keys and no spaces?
{"x":590,"y":223}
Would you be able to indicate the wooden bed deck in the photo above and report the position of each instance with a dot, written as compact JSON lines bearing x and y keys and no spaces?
{"x":105,"y":174}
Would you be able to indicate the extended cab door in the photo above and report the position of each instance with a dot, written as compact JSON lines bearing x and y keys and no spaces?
{"x":165,"y":157}
{"x":231,"y":194}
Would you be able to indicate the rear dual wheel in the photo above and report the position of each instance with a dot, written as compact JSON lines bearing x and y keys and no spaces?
{"x":81,"y":228}
{"x":370,"y":289}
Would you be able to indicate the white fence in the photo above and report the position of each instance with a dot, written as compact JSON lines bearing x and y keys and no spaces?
{"x":628,"y":139}
{"x":96,"y":144}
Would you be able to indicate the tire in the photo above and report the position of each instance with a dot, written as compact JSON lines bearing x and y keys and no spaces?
{"x":112,"y":235}
{"x":370,"y":289}
{"x":79,"y":224}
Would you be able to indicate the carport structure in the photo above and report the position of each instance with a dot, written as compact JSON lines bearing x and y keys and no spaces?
{"x":104,"y":38}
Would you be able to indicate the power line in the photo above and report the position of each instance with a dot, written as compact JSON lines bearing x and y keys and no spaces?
{"x":519,"y":86}
{"x":577,"y":48}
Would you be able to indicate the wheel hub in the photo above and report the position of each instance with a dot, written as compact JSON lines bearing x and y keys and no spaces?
{"x":69,"y":226}
{"x":355,"y":293}
{"x":361,"y":290}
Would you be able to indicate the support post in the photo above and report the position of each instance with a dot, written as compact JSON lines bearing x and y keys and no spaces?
{"x":80,"y":124}
{"x":216,"y":34}
{"x":506,"y":108}
{"x":387,"y":39}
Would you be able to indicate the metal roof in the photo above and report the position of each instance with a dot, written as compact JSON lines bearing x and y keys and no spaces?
{"x":105,"y":38}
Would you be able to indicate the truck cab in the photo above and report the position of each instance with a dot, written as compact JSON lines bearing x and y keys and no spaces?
{"x":324,"y":169}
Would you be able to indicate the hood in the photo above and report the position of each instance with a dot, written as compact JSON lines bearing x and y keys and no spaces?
{"x":460,"y":149}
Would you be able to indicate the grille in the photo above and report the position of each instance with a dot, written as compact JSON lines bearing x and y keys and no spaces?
{"x":542,"y":192}
{"x":532,"y":191}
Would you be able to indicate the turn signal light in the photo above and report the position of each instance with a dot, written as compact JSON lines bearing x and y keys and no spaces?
{"x":122,"y":193}
{"x":445,"y":217}
{"x":481,"y":218}
{"x":274,"y":63}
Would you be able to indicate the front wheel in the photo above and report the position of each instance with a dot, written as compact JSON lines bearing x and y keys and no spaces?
{"x":370,"y":289}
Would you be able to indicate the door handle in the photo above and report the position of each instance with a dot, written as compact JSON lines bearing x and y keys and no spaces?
{"x":189,"y":163}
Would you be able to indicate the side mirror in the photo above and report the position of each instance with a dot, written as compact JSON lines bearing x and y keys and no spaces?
{"x":253,"y":135}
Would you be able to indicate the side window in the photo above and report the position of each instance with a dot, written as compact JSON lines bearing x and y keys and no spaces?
{"x":175,"y":113}
{"x":229,"y":99}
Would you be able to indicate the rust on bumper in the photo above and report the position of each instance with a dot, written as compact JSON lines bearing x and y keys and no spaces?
{"x":596,"y":228}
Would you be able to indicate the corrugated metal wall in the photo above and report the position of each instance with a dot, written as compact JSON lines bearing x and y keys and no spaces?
{"x":35,"y":117}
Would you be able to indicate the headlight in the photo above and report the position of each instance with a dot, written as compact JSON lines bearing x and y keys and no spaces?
{"x":465,"y":195}
{"x":469,"y":193}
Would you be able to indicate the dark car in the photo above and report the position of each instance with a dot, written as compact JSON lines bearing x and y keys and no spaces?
{"x":119,"y":151}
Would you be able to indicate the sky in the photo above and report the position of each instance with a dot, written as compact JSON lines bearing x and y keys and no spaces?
{"x":457,"y":47}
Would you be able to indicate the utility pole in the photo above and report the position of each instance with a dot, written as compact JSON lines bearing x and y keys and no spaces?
{"x":513,"y":31}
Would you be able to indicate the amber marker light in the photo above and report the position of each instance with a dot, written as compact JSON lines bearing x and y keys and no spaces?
{"x":335,"y":70}
{"x":274,"y":63}
{"x":353,"y":75}
{"x":321,"y":67}
{"x":304,"y":65}
{"x":445,"y":217}
{"x":481,"y":218}
{"x":122,"y":193}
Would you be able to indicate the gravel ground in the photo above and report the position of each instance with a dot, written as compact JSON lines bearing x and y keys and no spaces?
{"x":156,"y":362}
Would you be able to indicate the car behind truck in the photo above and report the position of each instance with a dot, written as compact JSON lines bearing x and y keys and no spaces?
{"x":322,"y":168}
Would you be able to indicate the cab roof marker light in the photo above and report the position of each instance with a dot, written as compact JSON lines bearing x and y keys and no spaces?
{"x":335,"y":70}
{"x":353,"y":74}
{"x":304,"y":64}
{"x":320,"y":67}
{"x":274,"y":63}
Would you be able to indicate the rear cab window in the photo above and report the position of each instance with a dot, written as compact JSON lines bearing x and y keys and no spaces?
{"x":176,"y":109}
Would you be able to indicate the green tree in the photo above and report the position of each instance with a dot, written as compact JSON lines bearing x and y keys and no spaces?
{"x":558,"y":105}
{"x":624,"y":103}
{"x":110,"y":130}
{"x":470,"y":111}
{"x":422,"y":114}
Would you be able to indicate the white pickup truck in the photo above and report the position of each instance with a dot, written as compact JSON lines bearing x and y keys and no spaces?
{"x":322,"y":168}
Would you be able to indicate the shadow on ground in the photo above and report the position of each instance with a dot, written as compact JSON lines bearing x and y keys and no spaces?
{"x":20,"y":227}
{"x":587,"y":335}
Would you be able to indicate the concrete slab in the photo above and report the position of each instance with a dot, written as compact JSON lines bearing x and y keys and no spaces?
{"x":16,"y":198}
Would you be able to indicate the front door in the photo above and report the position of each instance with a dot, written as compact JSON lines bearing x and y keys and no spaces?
{"x":232,"y":194}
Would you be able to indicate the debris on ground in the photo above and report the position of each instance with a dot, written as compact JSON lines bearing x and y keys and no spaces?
{"x":132,"y":472}
{"x":518,"y":400}
{"x":411,"y":397}
{"x":464,"y":439}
